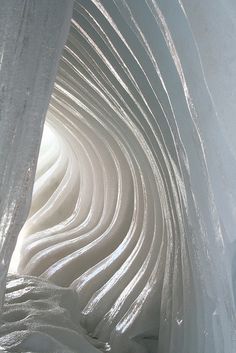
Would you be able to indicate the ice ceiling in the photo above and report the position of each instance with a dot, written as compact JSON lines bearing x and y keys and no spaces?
{"x":129,"y":245}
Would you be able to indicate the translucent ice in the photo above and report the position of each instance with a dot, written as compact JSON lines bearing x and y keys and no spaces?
{"x":32,"y":34}
{"x":134,"y":200}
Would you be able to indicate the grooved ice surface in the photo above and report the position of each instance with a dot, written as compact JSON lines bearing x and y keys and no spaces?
{"x":32,"y":34}
{"x":41,"y":317}
{"x":134,"y":203}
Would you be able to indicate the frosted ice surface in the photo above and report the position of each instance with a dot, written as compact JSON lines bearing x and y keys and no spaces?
{"x":32,"y":34}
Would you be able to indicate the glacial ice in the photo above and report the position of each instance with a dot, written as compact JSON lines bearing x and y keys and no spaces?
{"x":133,"y":206}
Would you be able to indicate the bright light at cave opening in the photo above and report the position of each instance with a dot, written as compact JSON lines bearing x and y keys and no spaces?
{"x":49,"y":149}
{"x":48,"y":139}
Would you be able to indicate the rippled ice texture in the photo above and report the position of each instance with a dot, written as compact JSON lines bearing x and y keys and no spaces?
{"x":143,"y":118}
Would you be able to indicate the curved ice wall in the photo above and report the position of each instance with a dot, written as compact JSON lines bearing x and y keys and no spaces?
{"x":32,"y":35}
{"x":134,"y":199}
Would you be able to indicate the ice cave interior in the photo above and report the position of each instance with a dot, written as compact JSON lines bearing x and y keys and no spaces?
{"x":117,"y":212}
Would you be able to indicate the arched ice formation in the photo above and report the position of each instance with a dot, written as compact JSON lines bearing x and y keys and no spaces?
{"x":133,"y":204}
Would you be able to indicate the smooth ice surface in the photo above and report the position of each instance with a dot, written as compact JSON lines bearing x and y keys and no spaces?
{"x":134,"y":199}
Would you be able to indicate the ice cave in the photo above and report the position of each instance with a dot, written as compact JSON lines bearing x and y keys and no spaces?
{"x":117,"y":176}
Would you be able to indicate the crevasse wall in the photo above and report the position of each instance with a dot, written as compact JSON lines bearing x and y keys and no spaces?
{"x":134,"y":198}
